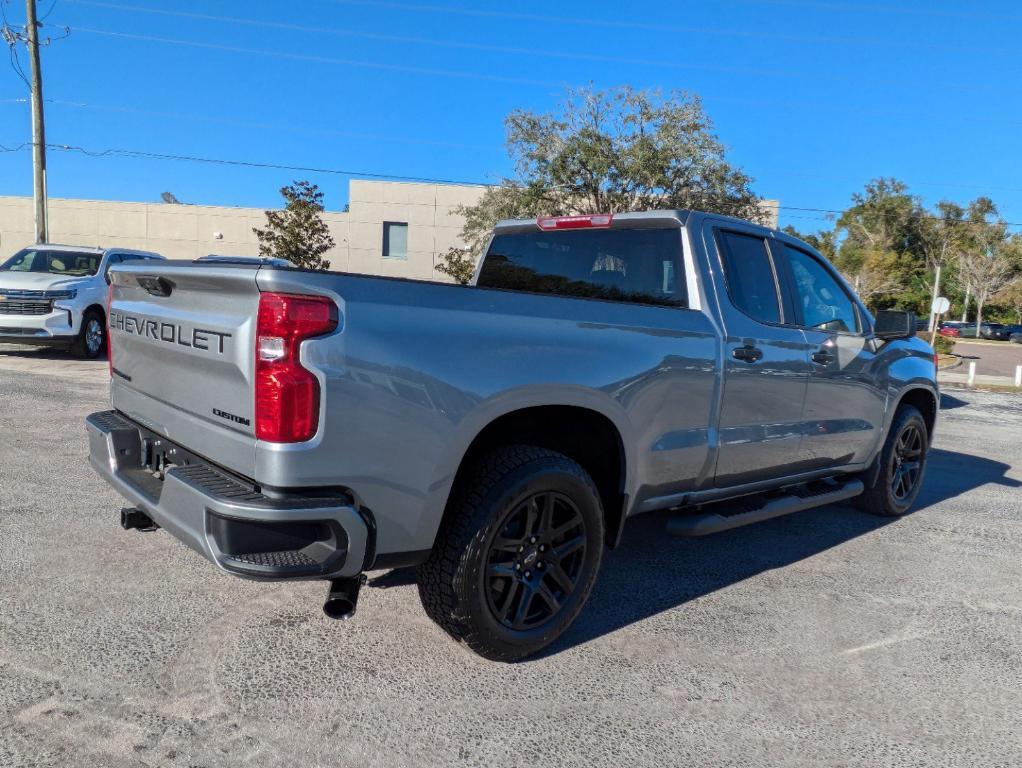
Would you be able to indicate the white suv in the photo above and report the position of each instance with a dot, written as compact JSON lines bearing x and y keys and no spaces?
{"x":56,"y":295}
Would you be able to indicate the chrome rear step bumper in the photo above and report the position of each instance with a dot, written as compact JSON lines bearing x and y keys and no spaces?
{"x":224,"y":518}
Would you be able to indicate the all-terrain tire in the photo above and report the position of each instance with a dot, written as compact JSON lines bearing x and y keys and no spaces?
{"x":509,"y":487}
{"x":885,"y":494}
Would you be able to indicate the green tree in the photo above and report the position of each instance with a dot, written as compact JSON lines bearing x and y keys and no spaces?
{"x":824,"y":241}
{"x":991,"y":256}
{"x":1010,"y":296}
{"x":459,"y":264}
{"x":297,"y":233}
{"x":613,"y":150}
{"x":942,"y":237}
{"x":881,"y":251}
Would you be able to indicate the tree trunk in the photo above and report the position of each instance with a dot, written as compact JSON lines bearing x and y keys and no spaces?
{"x":965,"y":304}
{"x":980,"y":300}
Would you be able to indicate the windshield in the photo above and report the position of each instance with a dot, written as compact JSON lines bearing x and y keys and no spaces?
{"x":53,"y":262}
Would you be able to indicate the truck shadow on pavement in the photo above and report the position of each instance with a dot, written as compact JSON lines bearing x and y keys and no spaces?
{"x":651,"y":572}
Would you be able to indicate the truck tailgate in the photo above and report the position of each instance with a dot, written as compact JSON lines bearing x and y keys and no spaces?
{"x":182,"y":345}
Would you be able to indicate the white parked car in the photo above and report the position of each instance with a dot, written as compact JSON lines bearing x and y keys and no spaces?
{"x":56,"y":295}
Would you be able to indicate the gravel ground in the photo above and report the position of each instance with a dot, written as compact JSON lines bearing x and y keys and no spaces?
{"x":826,"y":638}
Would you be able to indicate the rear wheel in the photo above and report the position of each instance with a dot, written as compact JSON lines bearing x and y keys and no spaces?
{"x":902,"y":462}
{"x":517,"y":556}
{"x":91,"y":339}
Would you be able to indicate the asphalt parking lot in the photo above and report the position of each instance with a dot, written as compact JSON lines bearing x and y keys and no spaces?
{"x":826,"y":638}
{"x":992,"y":358}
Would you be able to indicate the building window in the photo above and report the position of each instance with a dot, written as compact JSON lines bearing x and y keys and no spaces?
{"x":395,"y":240}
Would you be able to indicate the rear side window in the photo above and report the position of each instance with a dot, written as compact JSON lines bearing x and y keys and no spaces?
{"x":640,"y":266}
{"x":750,"y":276}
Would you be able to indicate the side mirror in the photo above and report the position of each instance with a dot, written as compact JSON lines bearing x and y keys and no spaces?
{"x":894,"y":324}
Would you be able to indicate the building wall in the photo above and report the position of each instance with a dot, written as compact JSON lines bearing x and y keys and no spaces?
{"x":427,"y":209}
{"x":190,"y":231}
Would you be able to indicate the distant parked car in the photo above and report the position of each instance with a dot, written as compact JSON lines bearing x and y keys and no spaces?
{"x":994,"y":331}
{"x":957,"y":329}
{"x":55,"y":295}
{"x":1015,"y":334}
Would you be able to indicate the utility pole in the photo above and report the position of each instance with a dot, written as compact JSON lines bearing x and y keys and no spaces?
{"x":38,"y":127}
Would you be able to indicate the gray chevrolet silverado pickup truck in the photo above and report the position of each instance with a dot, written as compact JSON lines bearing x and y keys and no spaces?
{"x":291,"y":424}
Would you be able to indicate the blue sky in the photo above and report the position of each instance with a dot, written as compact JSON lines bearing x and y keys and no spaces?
{"x":813,"y":97}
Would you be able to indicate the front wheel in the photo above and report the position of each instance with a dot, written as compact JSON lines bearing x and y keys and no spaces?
{"x":517,"y":555}
{"x":902,"y":464}
{"x":92,"y":337}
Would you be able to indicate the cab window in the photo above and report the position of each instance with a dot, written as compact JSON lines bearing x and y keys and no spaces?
{"x":750,"y":276}
{"x":821,"y":301}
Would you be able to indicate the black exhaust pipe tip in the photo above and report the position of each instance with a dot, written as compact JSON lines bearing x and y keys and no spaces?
{"x":342,"y":599}
{"x":133,"y":518}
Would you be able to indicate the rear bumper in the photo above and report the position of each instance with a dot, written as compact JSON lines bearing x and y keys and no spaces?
{"x":224,"y":518}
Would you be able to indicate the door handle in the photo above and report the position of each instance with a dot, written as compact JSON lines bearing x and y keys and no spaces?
{"x":748,"y":353}
{"x":822,"y":357}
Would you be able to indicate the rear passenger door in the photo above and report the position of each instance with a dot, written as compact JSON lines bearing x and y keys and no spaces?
{"x":847,"y":389}
{"x":766,"y":362}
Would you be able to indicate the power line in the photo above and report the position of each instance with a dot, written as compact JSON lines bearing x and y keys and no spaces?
{"x":660,"y":64}
{"x":701,"y":30}
{"x":47,"y":14}
{"x":287,"y":127}
{"x":131,"y":153}
{"x":256,"y":164}
{"x":326,"y":59}
{"x":413,"y":140}
{"x":615,"y":23}
{"x":886,"y":8}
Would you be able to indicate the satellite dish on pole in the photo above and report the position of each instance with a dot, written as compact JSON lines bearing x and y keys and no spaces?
{"x":940,"y":305}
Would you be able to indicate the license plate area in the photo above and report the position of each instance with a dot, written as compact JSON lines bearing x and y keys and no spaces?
{"x":158,"y":455}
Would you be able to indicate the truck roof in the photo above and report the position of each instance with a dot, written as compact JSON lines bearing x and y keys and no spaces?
{"x":630,"y":220}
{"x":94,"y":249}
{"x":74,"y":248}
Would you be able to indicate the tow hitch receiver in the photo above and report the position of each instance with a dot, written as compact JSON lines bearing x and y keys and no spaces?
{"x":133,"y":517}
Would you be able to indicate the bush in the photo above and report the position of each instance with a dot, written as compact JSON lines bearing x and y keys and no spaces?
{"x":943,"y":345}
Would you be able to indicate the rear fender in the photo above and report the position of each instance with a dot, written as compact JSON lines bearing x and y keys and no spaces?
{"x":488,"y":411}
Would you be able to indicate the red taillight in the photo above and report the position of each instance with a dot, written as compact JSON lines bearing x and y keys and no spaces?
{"x":109,"y":341}
{"x":597,"y":221}
{"x":286,"y":394}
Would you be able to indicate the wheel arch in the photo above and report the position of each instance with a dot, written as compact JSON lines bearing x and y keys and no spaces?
{"x":925,"y":401}
{"x":585,"y":435}
{"x":95,"y":307}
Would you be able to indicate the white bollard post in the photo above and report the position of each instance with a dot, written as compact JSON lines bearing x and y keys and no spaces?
{"x":972,"y":373}
{"x":1018,"y":375}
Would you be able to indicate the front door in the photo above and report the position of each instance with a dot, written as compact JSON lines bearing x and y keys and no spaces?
{"x":845,"y":399}
{"x":766,"y":364}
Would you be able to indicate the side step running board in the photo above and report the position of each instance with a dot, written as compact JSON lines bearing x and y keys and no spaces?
{"x":703,"y":523}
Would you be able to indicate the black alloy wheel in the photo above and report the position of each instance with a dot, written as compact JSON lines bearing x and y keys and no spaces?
{"x":534,"y":562}
{"x":906,"y":461}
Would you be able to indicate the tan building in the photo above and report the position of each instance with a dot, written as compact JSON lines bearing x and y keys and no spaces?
{"x":398,"y":229}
